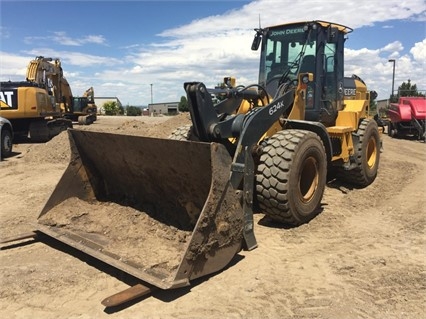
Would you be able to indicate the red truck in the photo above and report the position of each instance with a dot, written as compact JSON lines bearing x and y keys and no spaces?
{"x":407,"y":117}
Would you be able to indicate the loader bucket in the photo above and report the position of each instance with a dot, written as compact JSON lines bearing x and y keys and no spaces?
{"x":161,"y":210}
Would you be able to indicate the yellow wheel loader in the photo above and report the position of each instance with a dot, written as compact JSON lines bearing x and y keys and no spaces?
{"x":168,"y":211}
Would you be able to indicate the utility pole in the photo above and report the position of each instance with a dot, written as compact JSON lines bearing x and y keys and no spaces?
{"x":151,"y":94}
{"x":393,"y":76}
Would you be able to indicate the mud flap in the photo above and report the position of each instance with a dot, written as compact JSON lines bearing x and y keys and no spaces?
{"x":161,"y":210}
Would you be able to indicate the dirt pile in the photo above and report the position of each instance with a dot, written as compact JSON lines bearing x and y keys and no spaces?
{"x":131,"y":235}
{"x":54,"y":151}
{"x":57,"y":149}
{"x":160,"y":130}
{"x":362,"y":257}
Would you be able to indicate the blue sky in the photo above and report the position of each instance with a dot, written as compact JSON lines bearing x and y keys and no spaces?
{"x":121,"y":47}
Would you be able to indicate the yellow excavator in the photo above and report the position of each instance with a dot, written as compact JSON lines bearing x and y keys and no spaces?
{"x":168,"y":211}
{"x":42,"y":106}
{"x":48,"y":72}
{"x":83,"y":108}
{"x":35,"y":106}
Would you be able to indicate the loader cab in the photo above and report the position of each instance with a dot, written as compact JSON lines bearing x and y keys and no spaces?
{"x":308,"y":47}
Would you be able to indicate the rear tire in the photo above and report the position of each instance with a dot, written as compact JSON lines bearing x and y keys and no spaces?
{"x":6,"y":143}
{"x":291,"y":176}
{"x":367,"y":155}
{"x":391,"y":130}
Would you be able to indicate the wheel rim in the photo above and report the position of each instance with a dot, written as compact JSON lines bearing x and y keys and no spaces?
{"x":309,"y":177}
{"x":371,"y":153}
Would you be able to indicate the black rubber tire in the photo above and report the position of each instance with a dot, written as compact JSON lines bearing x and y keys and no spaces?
{"x":367,"y":155}
{"x":290,"y":177}
{"x":39,"y":131}
{"x":183,"y":133}
{"x":83,"y":120}
{"x":6,"y":143}
{"x":392,"y":131}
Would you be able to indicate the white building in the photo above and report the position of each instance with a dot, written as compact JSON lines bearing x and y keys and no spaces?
{"x":156,"y":109}
{"x":100,"y":101}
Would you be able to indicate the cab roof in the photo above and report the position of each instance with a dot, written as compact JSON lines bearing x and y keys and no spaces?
{"x":326,"y":24}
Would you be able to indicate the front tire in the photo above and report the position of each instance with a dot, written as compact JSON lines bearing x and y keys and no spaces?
{"x":291,"y":176}
{"x":6,"y":143}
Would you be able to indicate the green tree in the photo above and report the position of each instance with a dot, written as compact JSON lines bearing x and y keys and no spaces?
{"x":120,"y":110}
{"x":111,"y":108}
{"x":372,"y":107}
{"x":183,"y":104}
{"x":133,"y":111}
{"x":406,"y":89}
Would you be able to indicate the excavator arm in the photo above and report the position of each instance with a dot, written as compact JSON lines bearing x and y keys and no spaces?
{"x":48,"y":73}
{"x":41,"y":70}
{"x":90,"y":94}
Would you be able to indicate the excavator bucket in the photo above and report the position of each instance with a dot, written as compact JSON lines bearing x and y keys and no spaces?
{"x":161,"y":210}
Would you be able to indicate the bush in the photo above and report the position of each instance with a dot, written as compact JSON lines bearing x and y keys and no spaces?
{"x":133,"y":111}
{"x":111,"y":108}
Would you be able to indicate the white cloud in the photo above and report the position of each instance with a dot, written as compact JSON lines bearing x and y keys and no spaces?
{"x":209,"y":49}
{"x":62,"y":38}
{"x":392,"y":47}
{"x":13,"y":67}
{"x":419,"y":51}
{"x":354,"y":13}
{"x":97,"y":39}
{"x":375,"y":69}
{"x":76,"y":59}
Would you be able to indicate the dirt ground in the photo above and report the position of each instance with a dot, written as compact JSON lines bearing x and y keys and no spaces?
{"x":362,"y":257}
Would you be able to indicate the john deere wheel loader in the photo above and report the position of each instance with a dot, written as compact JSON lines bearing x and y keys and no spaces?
{"x":168,"y":211}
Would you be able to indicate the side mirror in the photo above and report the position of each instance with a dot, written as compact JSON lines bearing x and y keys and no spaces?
{"x":257,"y":39}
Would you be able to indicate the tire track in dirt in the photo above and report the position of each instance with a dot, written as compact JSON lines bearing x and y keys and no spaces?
{"x":383,"y":232}
{"x":362,"y":257}
{"x":360,"y":269}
